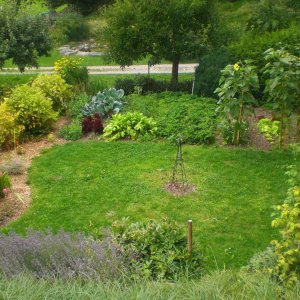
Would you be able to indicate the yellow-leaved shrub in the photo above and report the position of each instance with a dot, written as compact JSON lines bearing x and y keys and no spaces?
{"x":34,"y":110}
{"x":9,"y":129}
{"x":55,"y":88}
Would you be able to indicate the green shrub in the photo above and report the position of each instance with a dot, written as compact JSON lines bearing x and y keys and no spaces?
{"x":208,"y":72}
{"x":34,"y":110}
{"x":71,"y":132}
{"x":159,"y":249}
{"x":70,"y":27}
{"x":192,"y":117}
{"x":287,"y":249}
{"x":268,"y":16}
{"x":72,"y":71}
{"x":105,"y":103}
{"x":129,"y":125}
{"x":146,"y":85}
{"x":9,"y":129}
{"x":56,"y":89}
{"x":4,"y":184}
{"x":252,"y":46}
{"x":229,"y":128}
{"x":76,"y":105}
{"x":94,"y":86}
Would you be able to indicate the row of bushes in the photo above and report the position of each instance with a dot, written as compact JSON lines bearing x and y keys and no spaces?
{"x":133,"y":250}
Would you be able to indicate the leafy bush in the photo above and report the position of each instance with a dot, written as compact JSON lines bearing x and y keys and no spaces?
{"x":192,"y":117}
{"x":288,"y":222}
{"x":208,"y":72}
{"x":9,"y":129}
{"x":4,"y":184}
{"x":129,"y":125}
{"x":70,"y":27}
{"x":252,"y":46}
{"x":105,"y":103}
{"x":158,"y":250}
{"x":269,"y":129}
{"x":76,"y":104}
{"x":149,"y":85}
{"x":34,"y":110}
{"x":62,"y":255}
{"x":14,"y":166}
{"x":229,"y":128}
{"x":268,"y":16}
{"x":71,"y":132}
{"x":56,"y":89}
{"x":72,"y":72}
{"x":92,"y":124}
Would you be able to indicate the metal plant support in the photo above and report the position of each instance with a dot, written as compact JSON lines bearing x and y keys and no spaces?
{"x":178,"y":179}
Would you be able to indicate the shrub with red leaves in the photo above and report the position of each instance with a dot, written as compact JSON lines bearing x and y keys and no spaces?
{"x":92,"y":124}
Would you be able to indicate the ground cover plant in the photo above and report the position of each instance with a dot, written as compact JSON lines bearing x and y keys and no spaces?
{"x":218,"y":285}
{"x":176,"y":113}
{"x":231,"y":207}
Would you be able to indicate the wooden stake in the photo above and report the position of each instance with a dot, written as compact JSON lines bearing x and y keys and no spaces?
{"x":190,"y":236}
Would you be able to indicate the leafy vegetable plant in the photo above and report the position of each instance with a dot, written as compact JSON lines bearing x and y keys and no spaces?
{"x":129,"y":125}
{"x":105,"y":103}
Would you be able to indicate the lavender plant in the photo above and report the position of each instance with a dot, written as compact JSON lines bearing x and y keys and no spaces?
{"x":62,"y":255}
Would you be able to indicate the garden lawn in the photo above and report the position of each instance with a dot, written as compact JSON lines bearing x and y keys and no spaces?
{"x":84,"y":186}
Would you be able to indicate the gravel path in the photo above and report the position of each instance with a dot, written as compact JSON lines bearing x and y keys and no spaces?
{"x":94,"y":70}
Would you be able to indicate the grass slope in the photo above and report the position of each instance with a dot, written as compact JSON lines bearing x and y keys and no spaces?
{"x":86,"y":185}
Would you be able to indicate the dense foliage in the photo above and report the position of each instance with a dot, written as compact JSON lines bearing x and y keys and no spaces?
{"x":92,"y":123}
{"x":55,"y":88}
{"x":287,"y":248}
{"x":159,"y":250}
{"x":130,"y":125}
{"x":235,"y":94}
{"x":105,"y":103}
{"x":71,"y":131}
{"x":145,"y":85}
{"x":172,"y":30}
{"x":282,"y":86}
{"x":208,"y":72}
{"x":176,"y":114}
{"x":9,"y":129}
{"x":23,"y":37}
{"x":72,"y":71}
{"x":33,"y":109}
{"x":70,"y":27}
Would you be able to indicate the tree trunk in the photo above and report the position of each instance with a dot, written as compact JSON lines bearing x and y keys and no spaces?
{"x":175,"y":67}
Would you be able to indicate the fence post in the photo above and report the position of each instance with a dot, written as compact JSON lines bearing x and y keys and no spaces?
{"x":190,"y":236}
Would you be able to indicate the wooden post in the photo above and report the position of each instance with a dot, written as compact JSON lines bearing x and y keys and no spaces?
{"x":190,"y":236}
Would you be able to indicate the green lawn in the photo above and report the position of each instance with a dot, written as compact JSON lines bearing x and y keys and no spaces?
{"x":86,"y":185}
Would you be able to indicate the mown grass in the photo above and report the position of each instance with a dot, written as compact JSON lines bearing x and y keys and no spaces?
{"x":84,"y":186}
{"x":219,"y":285}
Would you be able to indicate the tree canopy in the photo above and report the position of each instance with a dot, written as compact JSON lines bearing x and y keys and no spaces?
{"x":23,"y":38}
{"x":163,"y":29}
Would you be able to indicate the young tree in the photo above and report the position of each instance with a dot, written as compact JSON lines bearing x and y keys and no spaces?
{"x":163,"y":29}
{"x":23,"y":38}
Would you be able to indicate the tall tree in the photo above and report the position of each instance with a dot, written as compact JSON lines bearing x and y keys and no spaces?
{"x":163,"y":29}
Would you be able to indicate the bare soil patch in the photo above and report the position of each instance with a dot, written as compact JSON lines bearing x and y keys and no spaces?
{"x":179,"y":190}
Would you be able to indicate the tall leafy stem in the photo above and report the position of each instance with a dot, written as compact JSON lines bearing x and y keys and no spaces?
{"x":235,"y":89}
{"x":282,"y":86}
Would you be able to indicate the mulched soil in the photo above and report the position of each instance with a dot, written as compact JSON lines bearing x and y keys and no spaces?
{"x":19,"y":198}
{"x":179,"y":190}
